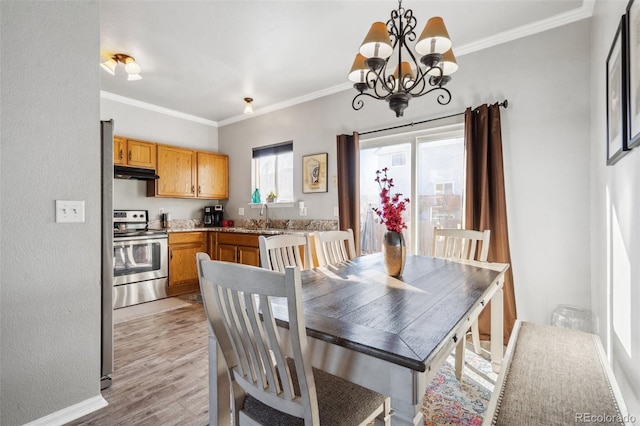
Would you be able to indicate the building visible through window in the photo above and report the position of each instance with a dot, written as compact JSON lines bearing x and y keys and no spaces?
{"x":426,"y":166}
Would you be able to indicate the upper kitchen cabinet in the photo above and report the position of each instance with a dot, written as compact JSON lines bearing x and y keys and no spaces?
{"x":185,"y":173}
{"x":134,"y":153}
{"x":213,"y":175}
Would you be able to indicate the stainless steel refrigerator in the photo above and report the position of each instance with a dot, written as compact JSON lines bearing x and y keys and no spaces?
{"x":106,"y":335}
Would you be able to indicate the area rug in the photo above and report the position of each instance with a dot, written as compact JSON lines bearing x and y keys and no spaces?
{"x":448,"y":401}
{"x":150,"y":308}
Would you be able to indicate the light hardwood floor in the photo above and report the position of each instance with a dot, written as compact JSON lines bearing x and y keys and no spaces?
{"x":161,"y":372}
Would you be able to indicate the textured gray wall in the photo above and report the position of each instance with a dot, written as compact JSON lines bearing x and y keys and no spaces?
{"x":49,"y":272}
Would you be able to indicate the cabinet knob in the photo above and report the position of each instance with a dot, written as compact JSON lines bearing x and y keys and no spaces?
{"x":199,"y":189}
{"x":129,"y":155}
{"x":120,"y":155}
{"x":193,"y":189}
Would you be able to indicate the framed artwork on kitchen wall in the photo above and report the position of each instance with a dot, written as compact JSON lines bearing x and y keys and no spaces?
{"x":617,"y":96}
{"x":314,"y":173}
{"x":633,"y":73}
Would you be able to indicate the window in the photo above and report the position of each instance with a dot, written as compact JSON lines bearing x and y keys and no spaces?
{"x":272,"y":170}
{"x":426,"y":166}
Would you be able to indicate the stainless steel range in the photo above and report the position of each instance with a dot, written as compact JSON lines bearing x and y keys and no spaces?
{"x":140,"y":263}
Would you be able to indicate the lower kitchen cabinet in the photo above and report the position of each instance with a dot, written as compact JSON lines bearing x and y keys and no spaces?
{"x":238,"y":248}
{"x":183,"y":272}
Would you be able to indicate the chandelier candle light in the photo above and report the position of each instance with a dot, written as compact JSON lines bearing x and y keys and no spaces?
{"x":390,"y":215}
{"x":412,"y":77}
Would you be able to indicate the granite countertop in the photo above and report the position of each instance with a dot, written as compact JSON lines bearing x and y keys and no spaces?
{"x":260,"y":231}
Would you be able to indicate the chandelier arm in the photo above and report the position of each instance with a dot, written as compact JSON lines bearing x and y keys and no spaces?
{"x":380,"y":83}
{"x":358,"y":103}
{"x":443,"y":98}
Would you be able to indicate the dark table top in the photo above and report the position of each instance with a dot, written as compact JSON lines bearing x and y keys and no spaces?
{"x":358,"y":306}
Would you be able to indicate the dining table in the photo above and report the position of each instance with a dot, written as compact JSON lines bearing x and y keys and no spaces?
{"x":387,"y":334}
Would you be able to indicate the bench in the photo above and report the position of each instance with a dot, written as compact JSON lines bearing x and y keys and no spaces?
{"x":555,"y":376}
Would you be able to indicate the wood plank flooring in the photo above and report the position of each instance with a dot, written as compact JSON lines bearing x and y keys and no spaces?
{"x":161,"y":372}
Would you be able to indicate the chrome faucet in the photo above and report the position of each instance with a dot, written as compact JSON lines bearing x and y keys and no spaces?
{"x":264,"y":211}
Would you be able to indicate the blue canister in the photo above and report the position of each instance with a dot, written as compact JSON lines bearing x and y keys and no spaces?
{"x":255,"y":198}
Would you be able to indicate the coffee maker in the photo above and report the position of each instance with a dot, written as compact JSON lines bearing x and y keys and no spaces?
{"x":213,"y":215}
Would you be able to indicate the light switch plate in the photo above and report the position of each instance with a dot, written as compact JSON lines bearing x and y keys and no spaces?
{"x":69,"y":211}
{"x":336,"y":212}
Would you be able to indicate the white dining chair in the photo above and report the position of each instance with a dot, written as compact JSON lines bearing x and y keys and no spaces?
{"x":334,"y":246}
{"x":465,"y":244}
{"x":278,"y":390}
{"x":279,"y":251}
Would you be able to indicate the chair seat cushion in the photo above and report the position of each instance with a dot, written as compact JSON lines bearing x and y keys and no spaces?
{"x":340,"y":403}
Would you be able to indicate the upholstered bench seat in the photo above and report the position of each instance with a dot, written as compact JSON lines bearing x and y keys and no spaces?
{"x":554,"y":376}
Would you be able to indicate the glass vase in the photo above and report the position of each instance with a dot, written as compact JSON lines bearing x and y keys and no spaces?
{"x":394,"y":253}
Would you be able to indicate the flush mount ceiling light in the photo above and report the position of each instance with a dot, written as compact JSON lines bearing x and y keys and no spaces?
{"x":248,"y":109}
{"x":130,"y":66}
{"x":412,"y":77}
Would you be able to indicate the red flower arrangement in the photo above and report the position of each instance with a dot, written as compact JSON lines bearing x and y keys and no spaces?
{"x":392,"y":206}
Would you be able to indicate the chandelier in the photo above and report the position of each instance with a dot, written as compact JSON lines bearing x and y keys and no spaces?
{"x":413,"y":75}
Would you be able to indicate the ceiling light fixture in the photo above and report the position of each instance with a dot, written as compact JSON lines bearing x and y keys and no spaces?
{"x":248,"y":109}
{"x":130,"y":66}
{"x":410,"y":79}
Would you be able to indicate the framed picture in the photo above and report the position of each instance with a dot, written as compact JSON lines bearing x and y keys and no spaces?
{"x":633,"y":73}
{"x":616,"y":97}
{"x":314,"y":173}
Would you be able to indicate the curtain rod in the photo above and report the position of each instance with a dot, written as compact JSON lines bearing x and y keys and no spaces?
{"x":503,"y":104}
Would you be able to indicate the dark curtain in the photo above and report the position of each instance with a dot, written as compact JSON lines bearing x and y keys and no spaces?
{"x":349,"y":185}
{"x":485,"y":201}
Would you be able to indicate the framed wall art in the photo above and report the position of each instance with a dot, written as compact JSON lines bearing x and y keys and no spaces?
{"x":617,"y":96}
{"x":633,"y":73}
{"x":314,"y":173}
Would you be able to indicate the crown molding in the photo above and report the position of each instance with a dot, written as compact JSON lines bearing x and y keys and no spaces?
{"x":583,"y":12}
{"x":156,"y":108}
{"x":287,"y":103}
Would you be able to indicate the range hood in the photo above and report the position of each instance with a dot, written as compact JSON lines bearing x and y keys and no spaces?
{"x":121,"y":172}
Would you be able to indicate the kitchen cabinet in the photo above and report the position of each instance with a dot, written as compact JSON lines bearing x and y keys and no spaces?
{"x":134,"y":153}
{"x":238,"y":248}
{"x":183,"y":272}
{"x":177,"y":171}
{"x":213,"y":175}
{"x":185,"y":173}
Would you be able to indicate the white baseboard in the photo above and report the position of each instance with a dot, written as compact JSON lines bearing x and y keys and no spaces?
{"x":71,"y":413}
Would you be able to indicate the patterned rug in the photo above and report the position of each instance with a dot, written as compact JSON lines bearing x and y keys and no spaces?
{"x":448,"y":401}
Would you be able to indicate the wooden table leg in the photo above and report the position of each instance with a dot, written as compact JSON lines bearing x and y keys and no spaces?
{"x":219,"y":387}
{"x":459,"y":364}
{"x":497,"y":330}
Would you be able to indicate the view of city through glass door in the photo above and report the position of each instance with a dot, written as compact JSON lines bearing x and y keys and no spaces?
{"x":427,"y":167}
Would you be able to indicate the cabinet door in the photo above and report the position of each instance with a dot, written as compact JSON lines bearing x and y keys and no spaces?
{"x":227,"y":253}
{"x":213,"y":175}
{"x":119,"y":150}
{"x":176,"y":168}
{"x":249,"y":256}
{"x":182,"y":264}
{"x":183,"y":271}
{"x":141,"y":154}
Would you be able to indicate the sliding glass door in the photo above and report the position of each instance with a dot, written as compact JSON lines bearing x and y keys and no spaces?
{"x":427,"y":167}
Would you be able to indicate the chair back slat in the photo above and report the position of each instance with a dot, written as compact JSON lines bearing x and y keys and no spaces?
{"x":463,"y":244}
{"x":334,"y":246}
{"x":279,"y":251}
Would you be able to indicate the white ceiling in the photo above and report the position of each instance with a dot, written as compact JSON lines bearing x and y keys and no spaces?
{"x":201,"y":58}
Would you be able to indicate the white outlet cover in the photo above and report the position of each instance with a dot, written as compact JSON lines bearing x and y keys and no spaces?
{"x":336,"y":212}
{"x":240,"y":211}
